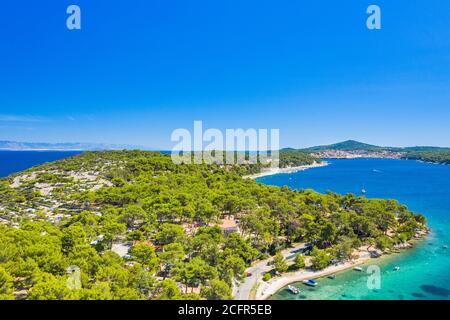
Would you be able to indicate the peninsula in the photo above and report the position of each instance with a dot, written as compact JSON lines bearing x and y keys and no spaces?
{"x":140,"y":227}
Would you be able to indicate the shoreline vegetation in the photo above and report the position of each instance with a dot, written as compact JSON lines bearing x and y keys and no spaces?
{"x":140,"y":227}
{"x":436,"y":157}
{"x":265,"y":290}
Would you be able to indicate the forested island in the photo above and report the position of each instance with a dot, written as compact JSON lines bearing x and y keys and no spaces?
{"x":134,"y":225}
{"x":441,"y":157}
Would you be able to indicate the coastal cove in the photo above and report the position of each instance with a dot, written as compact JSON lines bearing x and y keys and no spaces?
{"x":424,"y":188}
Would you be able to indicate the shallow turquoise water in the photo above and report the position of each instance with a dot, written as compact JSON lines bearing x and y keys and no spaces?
{"x":424,"y":270}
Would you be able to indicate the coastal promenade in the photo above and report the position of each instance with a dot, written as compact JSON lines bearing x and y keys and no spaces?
{"x":245,"y":289}
{"x":266,"y":289}
{"x":254,"y":288}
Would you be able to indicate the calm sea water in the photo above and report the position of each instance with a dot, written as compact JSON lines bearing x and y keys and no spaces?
{"x":424,"y":270}
{"x":14,"y":161}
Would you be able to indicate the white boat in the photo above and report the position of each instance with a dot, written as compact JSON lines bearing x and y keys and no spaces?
{"x":293,"y":289}
{"x":310,"y":282}
{"x":358,"y":269}
{"x":445,"y":246}
{"x":396,"y":268}
{"x":363,"y":190}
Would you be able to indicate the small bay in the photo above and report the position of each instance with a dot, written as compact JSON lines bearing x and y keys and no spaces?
{"x":424,"y":188}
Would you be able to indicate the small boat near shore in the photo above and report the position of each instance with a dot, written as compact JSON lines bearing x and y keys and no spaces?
{"x":332,"y":276}
{"x":310,"y":282}
{"x":396,"y":268}
{"x":293,"y":289}
{"x":358,"y":269}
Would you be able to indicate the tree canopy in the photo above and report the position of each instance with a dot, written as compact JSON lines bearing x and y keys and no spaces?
{"x":170,"y":216}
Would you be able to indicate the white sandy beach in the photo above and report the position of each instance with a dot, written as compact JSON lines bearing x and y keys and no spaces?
{"x":272,"y":171}
{"x":266,"y":289}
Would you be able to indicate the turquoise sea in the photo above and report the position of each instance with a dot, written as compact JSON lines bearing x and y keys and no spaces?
{"x":423,"y":187}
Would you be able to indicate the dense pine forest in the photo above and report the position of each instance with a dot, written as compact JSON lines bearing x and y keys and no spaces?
{"x":78,"y":213}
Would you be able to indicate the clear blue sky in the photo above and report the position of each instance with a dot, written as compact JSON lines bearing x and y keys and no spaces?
{"x":139,"y":69}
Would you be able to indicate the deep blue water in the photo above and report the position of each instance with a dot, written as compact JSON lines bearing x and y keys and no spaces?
{"x":424,"y":188}
{"x":14,"y":161}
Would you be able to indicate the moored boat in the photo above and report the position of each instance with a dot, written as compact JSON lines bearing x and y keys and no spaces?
{"x":293,"y":289}
{"x":358,"y":269}
{"x":310,"y":282}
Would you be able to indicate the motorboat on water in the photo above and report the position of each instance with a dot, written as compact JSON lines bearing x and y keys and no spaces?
{"x":358,"y":269}
{"x":310,"y":282}
{"x":293,"y":289}
{"x":396,"y":268}
{"x":332,"y":276}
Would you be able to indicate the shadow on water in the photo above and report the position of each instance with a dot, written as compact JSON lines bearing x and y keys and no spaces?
{"x":437,"y":291}
{"x":418,"y":295}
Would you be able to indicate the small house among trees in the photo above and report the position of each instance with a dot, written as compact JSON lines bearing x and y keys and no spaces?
{"x":229,"y":225}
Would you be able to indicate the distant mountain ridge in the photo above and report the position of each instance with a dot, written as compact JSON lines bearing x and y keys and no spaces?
{"x":76,"y":146}
{"x":349,"y":145}
{"x":352,"y":145}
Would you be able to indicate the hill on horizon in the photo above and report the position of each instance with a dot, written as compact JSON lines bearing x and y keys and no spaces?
{"x":353,"y":145}
{"x":66,"y":146}
{"x":348,"y":145}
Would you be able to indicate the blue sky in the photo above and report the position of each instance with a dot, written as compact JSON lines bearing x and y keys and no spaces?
{"x":140,"y":69}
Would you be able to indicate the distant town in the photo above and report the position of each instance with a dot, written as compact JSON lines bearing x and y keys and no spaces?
{"x":357,"y":154}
